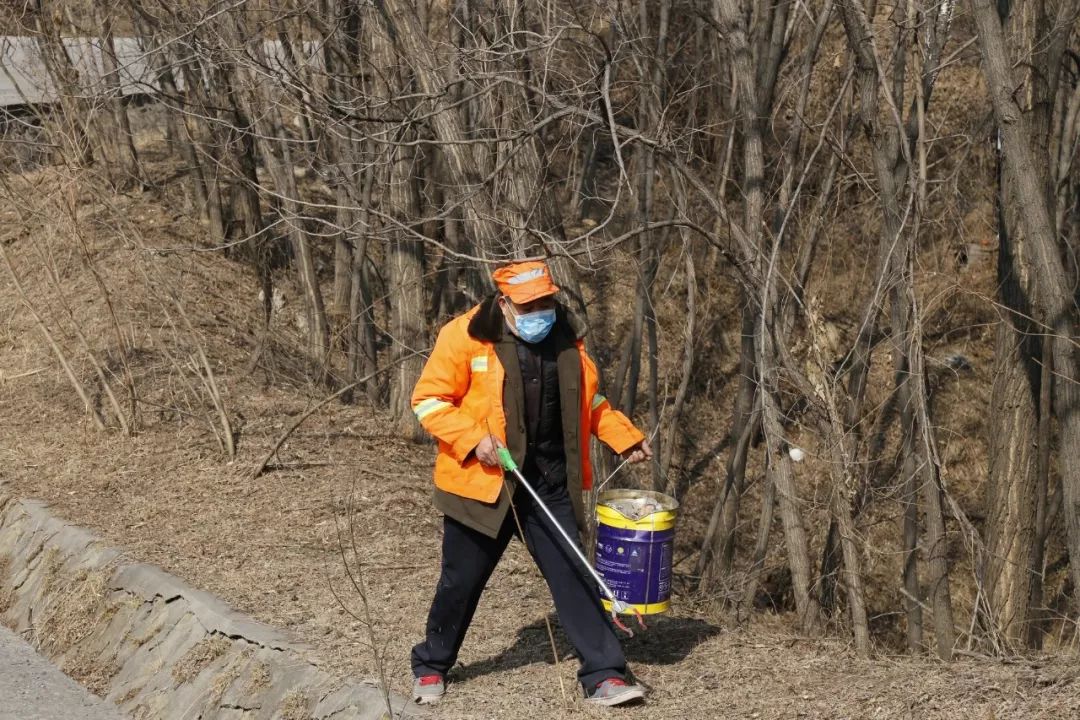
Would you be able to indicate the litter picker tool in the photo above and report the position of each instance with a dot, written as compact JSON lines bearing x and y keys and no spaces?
{"x":617,"y":606}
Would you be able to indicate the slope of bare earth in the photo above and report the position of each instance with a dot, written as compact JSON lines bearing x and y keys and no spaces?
{"x":271,"y":545}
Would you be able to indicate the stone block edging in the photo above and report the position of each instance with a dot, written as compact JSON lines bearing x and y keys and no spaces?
{"x":151,"y":644}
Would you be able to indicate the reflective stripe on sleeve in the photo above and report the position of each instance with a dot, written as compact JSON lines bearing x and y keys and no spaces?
{"x":479,"y":363}
{"x":598,"y":400}
{"x":429,"y":406}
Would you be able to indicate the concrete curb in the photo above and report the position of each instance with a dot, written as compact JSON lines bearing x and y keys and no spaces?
{"x":151,"y":644}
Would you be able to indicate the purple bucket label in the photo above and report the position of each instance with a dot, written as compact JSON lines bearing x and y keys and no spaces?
{"x":636,"y":564}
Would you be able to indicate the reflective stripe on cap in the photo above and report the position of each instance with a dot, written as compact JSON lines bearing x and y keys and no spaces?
{"x":527,"y":276}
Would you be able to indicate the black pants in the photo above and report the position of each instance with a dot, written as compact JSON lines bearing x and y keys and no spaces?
{"x":468,"y":559}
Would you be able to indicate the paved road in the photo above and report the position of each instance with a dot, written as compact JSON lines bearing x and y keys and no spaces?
{"x":32,"y":688}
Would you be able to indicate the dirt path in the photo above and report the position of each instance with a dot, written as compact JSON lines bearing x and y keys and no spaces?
{"x":32,"y":688}
{"x":270,"y":548}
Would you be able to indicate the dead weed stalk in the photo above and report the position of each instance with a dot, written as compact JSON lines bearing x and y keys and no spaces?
{"x":61,"y":356}
{"x":48,"y":262}
{"x":349,"y":552}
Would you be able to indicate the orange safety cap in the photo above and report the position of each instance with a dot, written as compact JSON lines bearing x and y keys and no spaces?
{"x":524,"y":282}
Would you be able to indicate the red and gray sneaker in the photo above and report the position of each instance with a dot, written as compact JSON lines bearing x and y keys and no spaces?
{"x":614,"y":691}
{"x":429,"y":689}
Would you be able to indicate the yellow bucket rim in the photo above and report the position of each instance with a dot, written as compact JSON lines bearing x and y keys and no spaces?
{"x":663,"y":519}
{"x":645,"y":609}
{"x":659,"y":520}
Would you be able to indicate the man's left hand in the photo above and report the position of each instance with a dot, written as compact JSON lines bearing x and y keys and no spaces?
{"x":639,"y":453}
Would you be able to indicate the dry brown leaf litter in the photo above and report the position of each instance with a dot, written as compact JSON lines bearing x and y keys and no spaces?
{"x":269,"y":546}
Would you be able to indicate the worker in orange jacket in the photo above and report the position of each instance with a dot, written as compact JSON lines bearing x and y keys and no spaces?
{"x":513,"y":372}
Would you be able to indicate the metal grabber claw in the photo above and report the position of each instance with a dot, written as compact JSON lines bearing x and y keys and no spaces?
{"x":617,"y":606}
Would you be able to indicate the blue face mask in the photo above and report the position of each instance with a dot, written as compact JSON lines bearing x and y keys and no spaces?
{"x":535,"y":326}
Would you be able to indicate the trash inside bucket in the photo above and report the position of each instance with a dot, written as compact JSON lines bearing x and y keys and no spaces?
{"x":635,"y":536}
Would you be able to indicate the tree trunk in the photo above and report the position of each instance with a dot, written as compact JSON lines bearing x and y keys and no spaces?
{"x":1053,"y":301}
{"x":718,"y":547}
{"x":672,"y":486}
{"x":779,"y":470}
{"x":404,"y":261}
{"x":841,"y":511}
{"x":276,"y":152}
{"x":732,"y":21}
{"x":362,"y":336}
{"x":149,"y":42}
{"x":937,"y":546}
{"x":892,"y":142}
{"x":127,"y":172}
{"x":628,"y":373}
{"x":1011,"y":489}
{"x":201,"y":127}
{"x":1036,"y":610}
{"x":910,"y":502}
{"x":80,"y":137}
{"x":464,"y":163}
{"x":404,"y":253}
{"x":761,"y":544}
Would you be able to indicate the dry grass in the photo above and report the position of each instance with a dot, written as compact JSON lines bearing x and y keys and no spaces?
{"x":127,"y":697}
{"x":222,"y":682}
{"x":92,"y":674}
{"x":295,"y":707}
{"x":51,"y":565}
{"x":199,"y":657}
{"x":156,"y":665}
{"x":150,"y":631}
{"x":76,"y":607}
{"x":7,"y":595}
{"x":260,"y":678}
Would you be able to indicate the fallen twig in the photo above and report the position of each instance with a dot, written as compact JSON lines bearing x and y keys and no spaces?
{"x":27,"y":373}
{"x":261,"y":468}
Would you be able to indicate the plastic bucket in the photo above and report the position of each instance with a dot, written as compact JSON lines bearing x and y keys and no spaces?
{"x":635,"y":534}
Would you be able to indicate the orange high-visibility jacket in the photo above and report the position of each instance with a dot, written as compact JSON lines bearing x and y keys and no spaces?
{"x":459,"y":399}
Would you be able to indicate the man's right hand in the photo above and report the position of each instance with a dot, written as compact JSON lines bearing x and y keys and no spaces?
{"x":487,"y":451}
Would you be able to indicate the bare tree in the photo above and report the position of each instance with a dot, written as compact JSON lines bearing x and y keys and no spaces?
{"x":1055,"y":308}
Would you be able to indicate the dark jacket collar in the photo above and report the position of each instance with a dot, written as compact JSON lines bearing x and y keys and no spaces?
{"x":488,"y":324}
